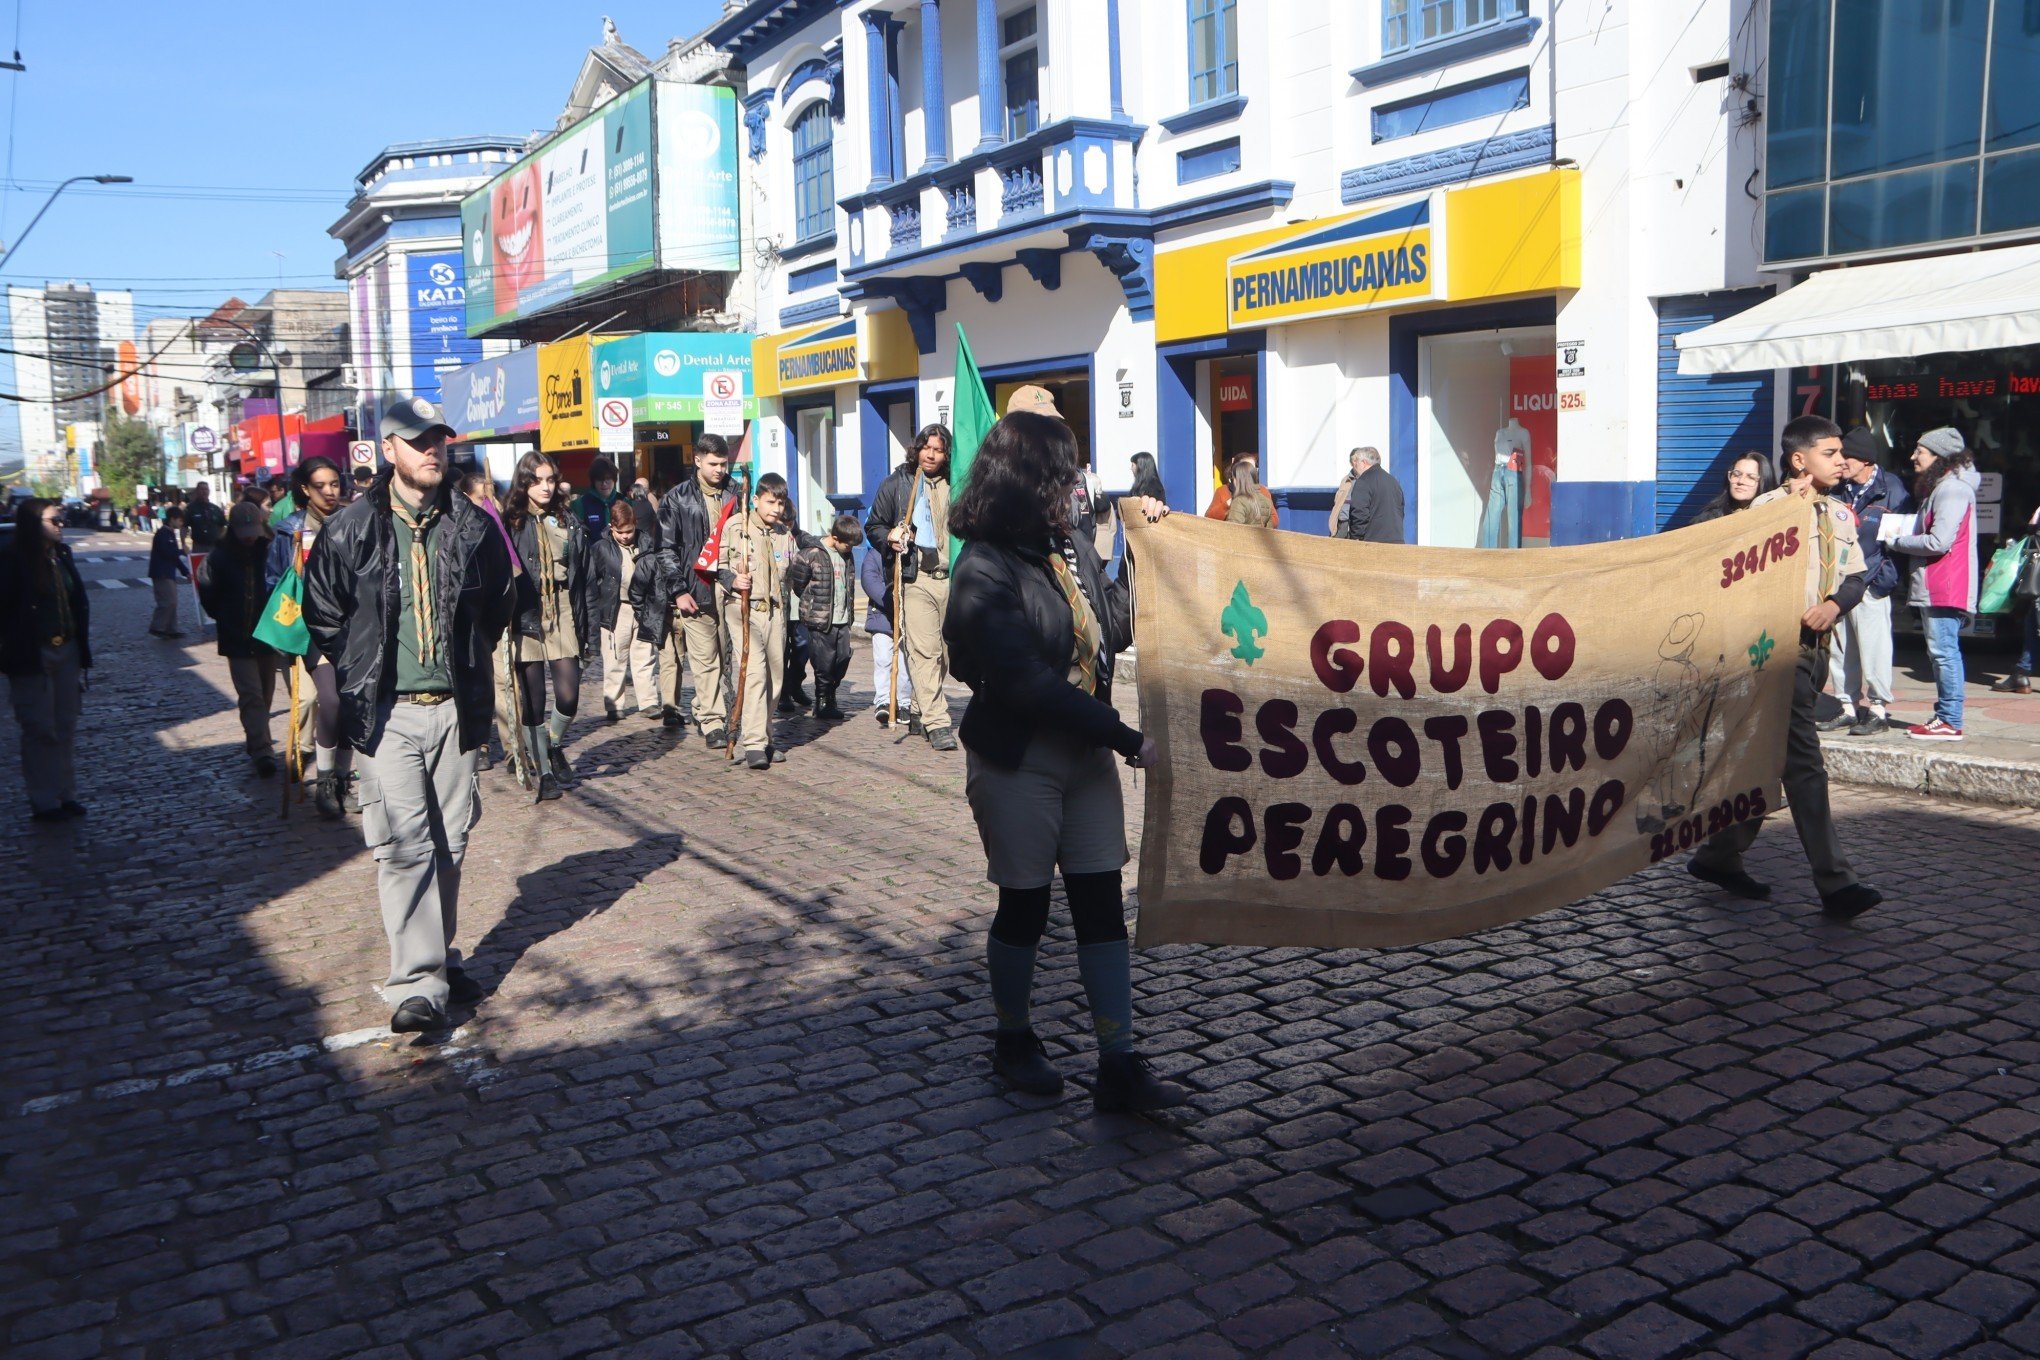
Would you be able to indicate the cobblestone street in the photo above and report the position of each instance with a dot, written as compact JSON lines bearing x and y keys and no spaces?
{"x":729,"y":1093}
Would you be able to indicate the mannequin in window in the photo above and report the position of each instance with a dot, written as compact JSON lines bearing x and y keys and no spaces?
{"x":1501,"y":523}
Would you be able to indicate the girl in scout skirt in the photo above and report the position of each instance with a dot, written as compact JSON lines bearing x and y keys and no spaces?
{"x":1033,"y":625}
{"x":546,"y":636}
{"x":315,"y":486}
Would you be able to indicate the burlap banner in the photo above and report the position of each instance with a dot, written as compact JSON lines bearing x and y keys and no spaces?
{"x":1366,"y":745}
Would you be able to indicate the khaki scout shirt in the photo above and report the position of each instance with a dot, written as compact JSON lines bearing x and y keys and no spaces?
{"x":1836,"y":552}
{"x":749,"y":543}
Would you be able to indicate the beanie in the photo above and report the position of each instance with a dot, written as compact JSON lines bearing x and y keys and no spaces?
{"x":1945,"y":442}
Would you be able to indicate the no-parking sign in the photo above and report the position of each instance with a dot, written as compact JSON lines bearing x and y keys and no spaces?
{"x":613,"y":426}
{"x":722,"y":402}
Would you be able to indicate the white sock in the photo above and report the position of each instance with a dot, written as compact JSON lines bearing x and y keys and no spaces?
{"x":541,"y":757}
{"x":326,"y":758}
{"x":556,"y":727}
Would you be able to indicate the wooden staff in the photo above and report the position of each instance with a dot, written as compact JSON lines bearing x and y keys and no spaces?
{"x":899,"y":620}
{"x":520,"y":764}
{"x":743,"y":646}
{"x":293,"y":760}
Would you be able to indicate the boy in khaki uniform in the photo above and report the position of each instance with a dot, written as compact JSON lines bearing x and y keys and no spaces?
{"x":759,"y":562}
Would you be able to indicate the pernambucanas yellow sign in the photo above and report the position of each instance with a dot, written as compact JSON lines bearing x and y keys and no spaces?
{"x":1380,"y":259}
{"x":1370,"y":745}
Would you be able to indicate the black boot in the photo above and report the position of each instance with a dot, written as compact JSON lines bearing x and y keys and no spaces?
{"x":1125,"y":1083}
{"x":1021,"y":1059}
{"x":825,"y":706}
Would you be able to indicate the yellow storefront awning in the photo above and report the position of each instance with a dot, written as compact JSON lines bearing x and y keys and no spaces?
{"x":1985,"y":299}
{"x":1504,"y":238}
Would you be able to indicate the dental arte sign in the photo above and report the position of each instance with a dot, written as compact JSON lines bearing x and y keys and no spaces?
{"x":1378,"y":259}
{"x":1366,"y":745}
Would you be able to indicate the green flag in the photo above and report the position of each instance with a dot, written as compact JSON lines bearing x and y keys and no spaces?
{"x":974,"y":419}
{"x":283,"y":619}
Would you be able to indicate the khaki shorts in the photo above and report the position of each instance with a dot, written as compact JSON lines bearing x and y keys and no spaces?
{"x":1061,"y":807}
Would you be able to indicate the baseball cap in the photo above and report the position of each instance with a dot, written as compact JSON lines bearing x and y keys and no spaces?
{"x":1028,"y":397}
{"x":411,"y":417}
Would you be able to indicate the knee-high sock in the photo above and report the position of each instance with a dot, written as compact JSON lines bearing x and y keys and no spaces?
{"x":556,"y":727}
{"x":541,"y":750}
{"x":1107,"y":973}
{"x":1012,"y":970}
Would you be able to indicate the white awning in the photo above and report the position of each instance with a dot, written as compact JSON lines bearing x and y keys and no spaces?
{"x":1986,"y":299}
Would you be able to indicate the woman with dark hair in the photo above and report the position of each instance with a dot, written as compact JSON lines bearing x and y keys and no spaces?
{"x":231,"y":589}
{"x":1147,"y":481}
{"x":908,"y":514}
{"x":1033,"y":626}
{"x":45,"y":651}
{"x":316,"y":489}
{"x":1944,"y":569}
{"x":1747,"y":478}
{"x":547,"y":634}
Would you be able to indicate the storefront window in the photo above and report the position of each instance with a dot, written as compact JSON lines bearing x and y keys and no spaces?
{"x":1885,"y":100}
{"x":1902,"y":210}
{"x":1488,"y":431}
{"x":1908,"y":81}
{"x":2011,"y":192}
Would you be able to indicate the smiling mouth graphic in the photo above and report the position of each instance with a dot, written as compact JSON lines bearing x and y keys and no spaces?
{"x":514,"y":245}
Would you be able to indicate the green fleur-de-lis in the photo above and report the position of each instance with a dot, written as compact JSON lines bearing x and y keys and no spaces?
{"x":1244,"y":622}
{"x":1761,"y":649}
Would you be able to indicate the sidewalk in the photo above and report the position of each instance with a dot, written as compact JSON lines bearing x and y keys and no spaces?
{"x":1998,"y":760}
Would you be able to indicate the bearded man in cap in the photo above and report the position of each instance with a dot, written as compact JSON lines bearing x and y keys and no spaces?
{"x":407,"y":593}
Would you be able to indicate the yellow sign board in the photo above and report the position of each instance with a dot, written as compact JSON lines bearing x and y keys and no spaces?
{"x":873,"y":346}
{"x":566,"y":395}
{"x":1517,"y":236}
{"x":822,"y":359}
{"x":1379,"y":259}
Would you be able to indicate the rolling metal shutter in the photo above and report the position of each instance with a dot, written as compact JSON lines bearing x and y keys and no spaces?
{"x":1704,"y":419}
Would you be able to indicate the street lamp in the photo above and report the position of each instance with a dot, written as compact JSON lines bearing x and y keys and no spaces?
{"x":75,"y":179}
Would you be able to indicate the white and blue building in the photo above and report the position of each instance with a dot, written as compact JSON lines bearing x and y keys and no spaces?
{"x":1277,"y":227}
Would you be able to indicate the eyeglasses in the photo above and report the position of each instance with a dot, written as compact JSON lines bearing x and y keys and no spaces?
{"x":1742,"y":476}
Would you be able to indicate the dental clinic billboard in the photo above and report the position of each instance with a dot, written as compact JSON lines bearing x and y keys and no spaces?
{"x":648,"y":181}
{"x":662,"y":373}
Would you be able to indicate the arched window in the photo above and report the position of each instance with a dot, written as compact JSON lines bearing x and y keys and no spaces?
{"x":814,"y":173}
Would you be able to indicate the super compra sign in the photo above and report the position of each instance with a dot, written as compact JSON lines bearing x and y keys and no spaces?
{"x":1380,"y":259}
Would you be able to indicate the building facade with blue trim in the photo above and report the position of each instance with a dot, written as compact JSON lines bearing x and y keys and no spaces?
{"x":1284,"y":228}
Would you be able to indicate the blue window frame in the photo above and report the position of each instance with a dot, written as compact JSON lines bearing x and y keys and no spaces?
{"x":1214,"y":50}
{"x":814,"y":174}
{"x":1407,"y":24}
{"x":1020,"y":53}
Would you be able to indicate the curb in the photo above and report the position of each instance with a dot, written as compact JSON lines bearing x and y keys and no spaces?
{"x":2007,"y":783}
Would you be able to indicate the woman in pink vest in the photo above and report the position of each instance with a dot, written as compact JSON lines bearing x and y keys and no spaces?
{"x":1944,"y":569}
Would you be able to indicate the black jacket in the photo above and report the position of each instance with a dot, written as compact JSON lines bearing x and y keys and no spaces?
{"x":21,"y":642}
{"x":166,"y":559}
{"x":817,"y":587}
{"x":1010,"y":637}
{"x":650,"y":600}
{"x":888,"y":507}
{"x":530,"y":619}
{"x":353,"y":591}
{"x":684,"y":527}
{"x":1374,"y":508}
{"x":204,"y":523}
{"x":233,"y":589}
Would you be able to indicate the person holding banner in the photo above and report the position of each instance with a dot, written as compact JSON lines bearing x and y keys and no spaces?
{"x":548,"y":635}
{"x":315,"y":489}
{"x":690,"y":523}
{"x":406,"y":593}
{"x":1033,"y":626}
{"x":909,"y":523}
{"x":233,"y":587}
{"x":1811,"y":458}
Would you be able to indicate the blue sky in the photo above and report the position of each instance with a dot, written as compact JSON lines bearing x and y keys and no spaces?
{"x":244,"y":124}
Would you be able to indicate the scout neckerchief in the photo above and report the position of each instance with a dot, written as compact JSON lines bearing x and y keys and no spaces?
{"x":1089,"y":639}
{"x":421,"y":577}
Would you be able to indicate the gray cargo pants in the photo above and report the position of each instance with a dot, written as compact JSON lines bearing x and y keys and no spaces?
{"x":420,"y":797}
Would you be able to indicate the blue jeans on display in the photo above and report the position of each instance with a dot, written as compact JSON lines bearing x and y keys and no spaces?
{"x":2029,"y":655}
{"x":1943,"y":628}
{"x":1501,"y":523}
